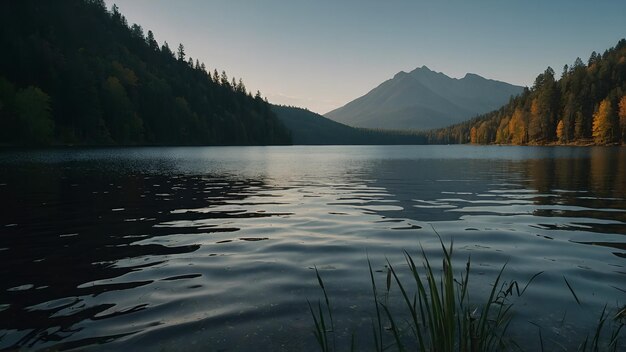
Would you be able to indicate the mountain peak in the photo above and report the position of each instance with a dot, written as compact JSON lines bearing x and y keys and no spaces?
{"x":425,"y":72}
{"x":424,"y":68}
{"x":424,"y":99}
{"x":400,"y":74}
{"x":472,"y":75}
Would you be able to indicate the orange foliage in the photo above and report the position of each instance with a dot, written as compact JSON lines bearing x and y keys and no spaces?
{"x":559,"y":131}
{"x":602,"y":128}
{"x":518,"y":127}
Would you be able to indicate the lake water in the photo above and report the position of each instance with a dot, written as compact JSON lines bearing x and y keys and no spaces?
{"x":214,"y":248}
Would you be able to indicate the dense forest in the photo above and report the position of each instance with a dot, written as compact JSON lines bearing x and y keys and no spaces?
{"x":587,"y":105}
{"x":73,"y":72}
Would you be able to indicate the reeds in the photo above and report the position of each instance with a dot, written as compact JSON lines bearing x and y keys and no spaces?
{"x":438,"y":314}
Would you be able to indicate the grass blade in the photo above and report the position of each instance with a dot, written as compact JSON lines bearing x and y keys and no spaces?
{"x":572,"y":291}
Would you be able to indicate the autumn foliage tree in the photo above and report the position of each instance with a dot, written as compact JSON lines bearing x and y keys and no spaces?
{"x":603,"y":124}
{"x":587,"y":104}
{"x":559,"y":131}
{"x":517,"y":128}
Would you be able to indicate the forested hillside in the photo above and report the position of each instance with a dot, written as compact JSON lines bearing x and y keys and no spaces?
{"x":587,"y":105}
{"x":73,"y":72}
{"x":309,"y":128}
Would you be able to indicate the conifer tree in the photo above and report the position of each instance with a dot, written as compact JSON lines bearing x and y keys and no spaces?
{"x":622,"y":117}
{"x":180,"y":53}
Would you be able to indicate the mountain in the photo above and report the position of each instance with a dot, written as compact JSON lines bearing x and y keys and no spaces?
{"x":72,"y":72}
{"x":309,"y":128}
{"x":424,"y":99}
{"x":587,"y":105}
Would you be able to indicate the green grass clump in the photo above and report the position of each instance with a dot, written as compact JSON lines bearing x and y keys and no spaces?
{"x":440,"y":315}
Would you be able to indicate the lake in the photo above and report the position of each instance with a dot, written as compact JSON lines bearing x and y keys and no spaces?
{"x":214,"y":249}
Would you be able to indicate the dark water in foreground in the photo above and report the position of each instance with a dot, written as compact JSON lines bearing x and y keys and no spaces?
{"x":213,"y":248}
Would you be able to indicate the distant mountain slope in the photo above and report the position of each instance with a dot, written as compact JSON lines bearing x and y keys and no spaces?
{"x":424,"y":99}
{"x":72,"y":72}
{"x":309,"y":128}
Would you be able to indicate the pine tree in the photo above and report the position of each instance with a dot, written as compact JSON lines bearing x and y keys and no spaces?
{"x":180,"y":53}
{"x":224,"y":79}
{"x":33,"y":111}
{"x":165,"y":49}
{"x":152,"y":43}
{"x":137,"y":31}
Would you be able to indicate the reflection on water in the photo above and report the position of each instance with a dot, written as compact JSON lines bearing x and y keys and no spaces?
{"x":158,"y":248}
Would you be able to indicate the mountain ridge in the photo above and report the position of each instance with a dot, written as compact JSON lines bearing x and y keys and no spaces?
{"x":424,"y":99}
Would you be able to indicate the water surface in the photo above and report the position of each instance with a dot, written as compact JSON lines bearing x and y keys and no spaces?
{"x":214,"y":248}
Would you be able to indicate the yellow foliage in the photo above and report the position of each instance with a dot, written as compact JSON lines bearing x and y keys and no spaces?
{"x":482,"y":134}
{"x":473,"y":136}
{"x":602,"y":129}
{"x":517,"y":127}
{"x":559,"y":131}
{"x":502,"y":134}
{"x":534,"y":107}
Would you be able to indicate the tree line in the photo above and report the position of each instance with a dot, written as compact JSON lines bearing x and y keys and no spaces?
{"x":73,"y":72}
{"x":587,"y":105}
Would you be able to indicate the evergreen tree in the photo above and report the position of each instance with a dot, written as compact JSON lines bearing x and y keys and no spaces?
{"x":90,"y":78}
{"x":180,"y":53}
{"x":152,"y":43}
{"x":32,"y":106}
{"x":137,"y":31}
{"x":165,"y":49}
{"x":622,"y":117}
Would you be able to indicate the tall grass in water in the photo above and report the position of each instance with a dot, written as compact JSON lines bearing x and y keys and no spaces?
{"x":440,"y":315}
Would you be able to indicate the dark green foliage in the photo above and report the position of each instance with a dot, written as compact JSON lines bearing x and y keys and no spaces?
{"x":309,"y":128}
{"x":573,"y":99}
{"x":32,"y":108}
{"x":93,"y":79}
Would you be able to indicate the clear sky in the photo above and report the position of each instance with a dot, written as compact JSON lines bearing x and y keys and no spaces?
{"x":321,"y":54}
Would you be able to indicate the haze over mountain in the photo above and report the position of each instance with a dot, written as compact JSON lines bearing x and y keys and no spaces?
{"x":424,"y":99}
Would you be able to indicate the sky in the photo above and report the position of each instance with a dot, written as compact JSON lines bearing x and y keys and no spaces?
{"x":321,"y":54}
